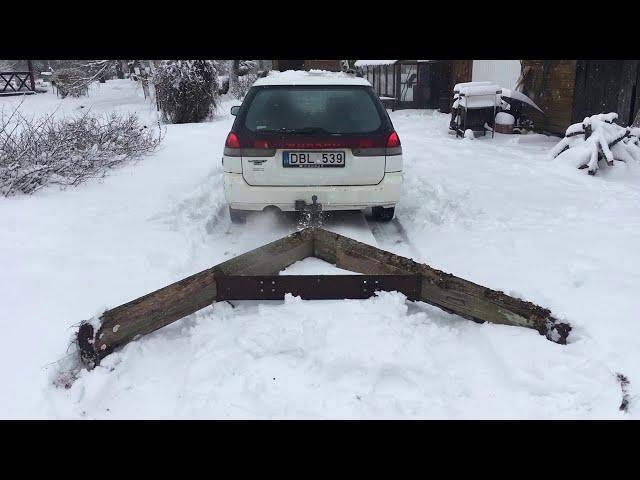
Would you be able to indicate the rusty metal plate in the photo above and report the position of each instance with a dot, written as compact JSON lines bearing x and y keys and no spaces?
{"x":313,"y":287}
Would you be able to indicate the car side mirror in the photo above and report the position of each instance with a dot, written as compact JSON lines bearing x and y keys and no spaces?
{"x":234,"y":110}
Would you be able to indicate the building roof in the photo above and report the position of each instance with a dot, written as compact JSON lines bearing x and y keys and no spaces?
{"x":373,"y":63}
{"x":312,"y":77}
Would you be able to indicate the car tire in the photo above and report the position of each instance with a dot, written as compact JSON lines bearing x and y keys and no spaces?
{"x":383,"y":214}
{"x":238,"y":216}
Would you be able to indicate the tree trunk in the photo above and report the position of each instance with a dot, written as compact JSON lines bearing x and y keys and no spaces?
{"x":32,"y":80}
{"x":119,"y":69}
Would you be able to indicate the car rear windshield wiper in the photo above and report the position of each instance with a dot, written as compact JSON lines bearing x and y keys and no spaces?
{"x":293,"y":131}
{"x":302,"y":131}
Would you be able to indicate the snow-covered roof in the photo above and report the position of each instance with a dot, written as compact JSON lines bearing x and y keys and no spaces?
{"x":373,"y":63}
{"x":476,"y":94}
{"x":312,"y":77}
{"x":476,"y":90}
{"x":458,"y":86}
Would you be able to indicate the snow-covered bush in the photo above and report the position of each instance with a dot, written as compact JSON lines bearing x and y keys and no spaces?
{"x":70,"y":82}
{"x":241,"y":85}
{"x":245,"y":74}
{"x":598,"y":138}
{"x":186,"y":90}
{"x":36,"y":152}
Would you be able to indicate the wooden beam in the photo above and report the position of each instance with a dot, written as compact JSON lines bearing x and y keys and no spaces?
{"x":444,"y":290}
{"x":155,"y":310}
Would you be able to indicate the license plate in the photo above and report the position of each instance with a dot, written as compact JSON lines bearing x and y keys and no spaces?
{"x":313,"y":159}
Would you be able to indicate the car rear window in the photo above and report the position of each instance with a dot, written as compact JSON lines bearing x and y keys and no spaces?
{"x":335,"y":110}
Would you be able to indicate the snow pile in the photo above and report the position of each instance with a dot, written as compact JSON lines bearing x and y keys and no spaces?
{"x":474,"y":90}
{"x":476,"y":95}
{"x":382,"y":358}
{"x":598,"y":138}
{"x":459,"y":86}
{"x":504,"y":118}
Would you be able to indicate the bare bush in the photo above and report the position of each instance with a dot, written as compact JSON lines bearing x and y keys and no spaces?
{"x":70,"y":82}
{"x":241,"y":85}
{"x":36,"y":152}
{"x":186,"y":90}
{"x":245,"y":73}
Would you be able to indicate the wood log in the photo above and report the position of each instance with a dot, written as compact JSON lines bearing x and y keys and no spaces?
{"x":155,"y":310}
{"x":443,"y":290}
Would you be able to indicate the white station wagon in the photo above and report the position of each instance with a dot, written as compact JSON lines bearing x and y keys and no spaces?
{"x":307,"y":138}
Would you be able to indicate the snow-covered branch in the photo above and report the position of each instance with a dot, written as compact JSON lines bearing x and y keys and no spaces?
{"x":36,"y":152}
{"x":596,"y":139}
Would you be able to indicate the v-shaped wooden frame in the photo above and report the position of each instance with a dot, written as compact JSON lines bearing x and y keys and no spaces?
{"x":254,"y":275}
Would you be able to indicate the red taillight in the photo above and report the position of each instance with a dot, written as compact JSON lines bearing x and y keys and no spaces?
{"x":393,"y":140}
{"x":366,"y":143}
{"x":232,"y":141}
{"x":260,"y":144}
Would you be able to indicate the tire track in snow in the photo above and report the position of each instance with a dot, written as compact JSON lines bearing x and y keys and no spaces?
{"x":393,"y":237}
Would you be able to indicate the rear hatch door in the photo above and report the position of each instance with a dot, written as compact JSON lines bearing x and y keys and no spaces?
{"x":314,"y":135}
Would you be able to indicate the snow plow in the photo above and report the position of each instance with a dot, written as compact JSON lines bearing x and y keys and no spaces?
{"x":254,"y":275}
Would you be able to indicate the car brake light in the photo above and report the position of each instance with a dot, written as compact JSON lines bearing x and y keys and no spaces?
{"x":393,"y":140}
{"x":232,"y":141}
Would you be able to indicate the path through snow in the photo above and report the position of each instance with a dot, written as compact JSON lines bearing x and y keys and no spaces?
{"x":497,"y":212}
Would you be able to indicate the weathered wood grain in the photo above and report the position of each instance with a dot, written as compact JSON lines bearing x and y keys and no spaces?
{"x":146,"y":314}
{"x":441,"y":289}
{"x":271,"y":258}
{"x":155,"y":310}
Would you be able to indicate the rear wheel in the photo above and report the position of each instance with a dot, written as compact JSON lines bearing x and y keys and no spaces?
{"x":383,"y":214}
{"x":238,"y":216}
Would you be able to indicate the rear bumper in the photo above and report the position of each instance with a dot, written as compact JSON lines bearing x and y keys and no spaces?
{"x":242,"y":196}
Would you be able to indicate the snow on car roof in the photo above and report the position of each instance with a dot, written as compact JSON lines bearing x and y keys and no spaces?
{"x":311,"y":77}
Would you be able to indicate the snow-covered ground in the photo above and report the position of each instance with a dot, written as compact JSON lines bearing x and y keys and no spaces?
{"x":498,"y":212}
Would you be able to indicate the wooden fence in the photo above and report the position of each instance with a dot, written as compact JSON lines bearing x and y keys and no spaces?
{"x":17,"y":83}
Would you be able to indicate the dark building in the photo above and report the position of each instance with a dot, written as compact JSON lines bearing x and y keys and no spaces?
{"x":416,"y":83}
{"x":567,"y":91}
